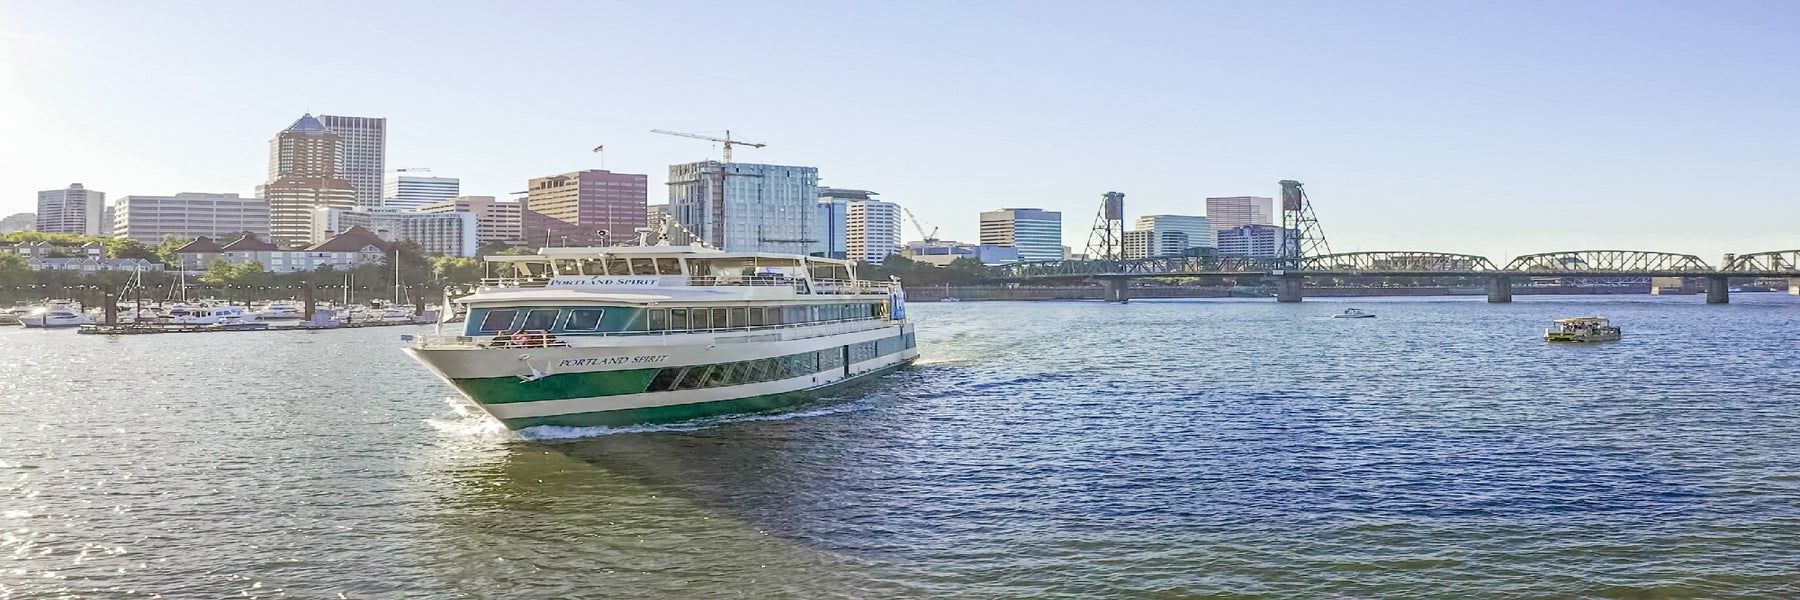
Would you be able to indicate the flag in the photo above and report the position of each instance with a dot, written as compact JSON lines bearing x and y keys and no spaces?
{"x":599,"y":148}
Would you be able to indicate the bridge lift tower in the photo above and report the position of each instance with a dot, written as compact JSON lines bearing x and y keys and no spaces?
{"x":1301,"y":235}
{"x":1107,"y":241}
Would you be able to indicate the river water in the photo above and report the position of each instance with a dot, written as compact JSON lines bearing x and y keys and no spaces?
{"x":1159,"y":449}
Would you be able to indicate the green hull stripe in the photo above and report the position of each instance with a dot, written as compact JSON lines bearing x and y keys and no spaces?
{"x":501,"y":390}
{"x":684,"y":412}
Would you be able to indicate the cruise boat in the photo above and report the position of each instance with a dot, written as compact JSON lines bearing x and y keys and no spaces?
{"x":612,"y":336}
{"x":53,"y":316}
{"x":1583,"y":329}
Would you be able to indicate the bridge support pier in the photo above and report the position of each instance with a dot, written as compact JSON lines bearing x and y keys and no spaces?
{"x":1500,"y":289}
{"x":1287,"y":288}
{"x":1116,"y":289}
{"x":1718,"y":289}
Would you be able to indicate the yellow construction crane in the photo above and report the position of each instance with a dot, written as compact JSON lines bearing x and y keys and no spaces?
{"x":929,"y":238}
{"x":727,"y":141}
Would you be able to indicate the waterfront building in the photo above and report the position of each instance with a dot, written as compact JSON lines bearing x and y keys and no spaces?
{"x":592,"y":201}
{"x":1199,"y":229}
{"x":833,"y":219}
{"x":198,"y":254}
{"x":74,"y":210}
{"x":406,"y":192}
{"x":18,"y":222}
{"x":304,"y":175}
{"x":149,"y":219}
{"x":91,"y":264}
{"x":1152,"y":243}
{"x":871,"y":231}
{"x":943,"y":252}
{"x":495,"y":220}
{"x":1252,"y":240}
{"x":746,"y":207}
{"x":1233,"y":212}
{"x":42,"y":249}
{"x":445,"y":233}
{"x":364,"y":154}
{"x":342,"y":252}
{"x":1037,"y":233}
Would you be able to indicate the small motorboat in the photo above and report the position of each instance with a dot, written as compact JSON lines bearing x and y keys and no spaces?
{"x":1354,"y":313}
{"x":1583,"y":329}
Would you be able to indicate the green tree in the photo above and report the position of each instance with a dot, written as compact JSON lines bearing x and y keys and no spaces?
{"x":165,"y":252}
{"x":457,"y":270}
{"x":14,"y":271}
{"x":126,"y":248}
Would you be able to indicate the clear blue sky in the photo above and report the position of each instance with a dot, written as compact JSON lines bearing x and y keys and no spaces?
{"x":1496,"y":128}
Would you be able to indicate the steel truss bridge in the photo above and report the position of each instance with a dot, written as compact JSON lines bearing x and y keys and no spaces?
{"x":1290,"y":273}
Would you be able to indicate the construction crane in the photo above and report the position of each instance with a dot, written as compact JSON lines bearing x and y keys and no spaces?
{"x":727,"y":141}
{"x":929,"y":238}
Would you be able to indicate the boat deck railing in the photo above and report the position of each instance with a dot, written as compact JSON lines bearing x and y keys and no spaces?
{"x":802,"y":286}
{"x":538,"y":339}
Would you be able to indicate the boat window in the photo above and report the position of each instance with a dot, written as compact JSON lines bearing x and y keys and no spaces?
{"x":643,"y":266}
{"x":702,"y":319}
{"x":539,"y":319}
{"x":583,"y":319}
{"x":659,"y":319}
{"x":737,"y":317}
{"x":772,"y":315}
{"x":496,"y":320}
{"x":696,"y":377}
{"x":664,"y":380}
{"x":756,"y":316}
{"x":718,"y":375}
{"x":678,"y":319}
{"x":719,"y":317}
{"x":617,"y":266}
{"x":668,"y":266}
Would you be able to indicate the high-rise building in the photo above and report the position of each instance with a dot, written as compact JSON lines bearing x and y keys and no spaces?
{"x":1251,"y":240}
{"x":1037,"y":233}
{"x":872,"y":230}
{"x":495,"y":220}
{"x":149,"y":219}
{"x":834,"y":214}
{"x":447,"y":233}
{"x":364,"y":154}
{"x":745,"y":207}
{"x":18,"y":222}
{"x":1199,"y":230}
{"x":592,"y":201}
{"x":304,"y":163}
{"x":1237,"y":211}
{"x":406,"y":192}
{"x":73,"y":210}
{"x":1151,"y":243}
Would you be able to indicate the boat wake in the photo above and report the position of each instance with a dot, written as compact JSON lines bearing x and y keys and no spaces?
{"x":558,"y":432}
{"x":469,"y":421}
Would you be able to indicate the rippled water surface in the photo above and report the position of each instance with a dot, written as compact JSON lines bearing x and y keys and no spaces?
{"x":1166,"y":449}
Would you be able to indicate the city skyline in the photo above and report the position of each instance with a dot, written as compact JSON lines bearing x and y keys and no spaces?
{"x":1496,"y":130}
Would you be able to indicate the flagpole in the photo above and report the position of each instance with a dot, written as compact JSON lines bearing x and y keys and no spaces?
{"x":600,"y":150}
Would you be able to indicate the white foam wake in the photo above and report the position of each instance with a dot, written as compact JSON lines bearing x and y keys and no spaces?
{"x":559,"y":432}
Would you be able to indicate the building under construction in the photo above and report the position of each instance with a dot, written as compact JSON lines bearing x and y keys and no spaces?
{"x":745,"y":207}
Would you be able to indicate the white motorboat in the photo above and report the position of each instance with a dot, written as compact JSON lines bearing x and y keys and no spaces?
{"x":280,"y":311}
{"x":210,"y":315}
{"x":53,"y":316}
{"x":1354,"y":313}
